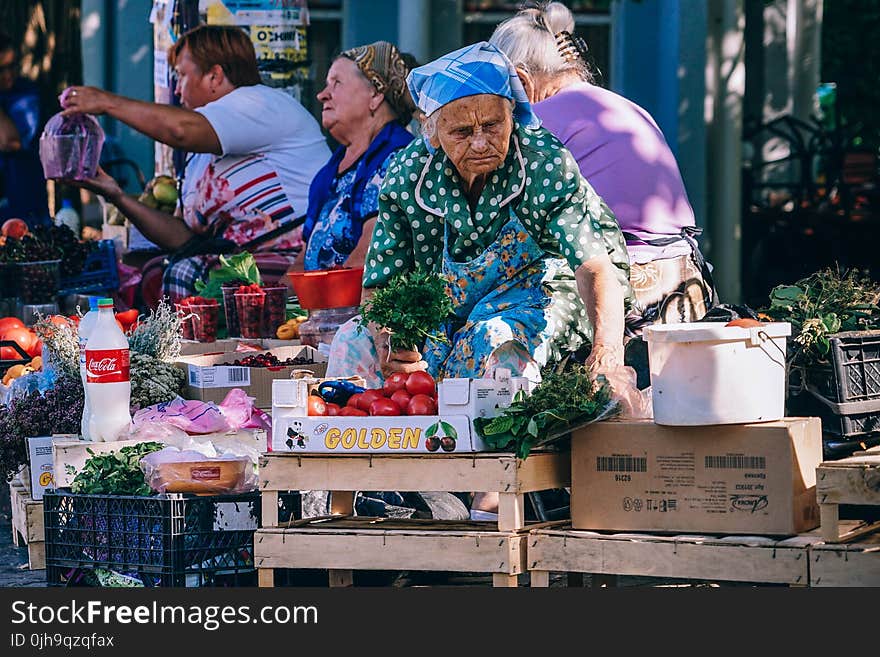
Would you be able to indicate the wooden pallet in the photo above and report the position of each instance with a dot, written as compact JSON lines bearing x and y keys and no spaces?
{"x":343,"y":545}
{"x":709,"y":558}
{"x":853,"y":480}
{"x":463,"y":547}
{"x":27,"y":525}
{"x":851,"y":564}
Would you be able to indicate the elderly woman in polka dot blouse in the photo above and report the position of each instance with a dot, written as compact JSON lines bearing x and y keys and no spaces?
{"x":534,"y":260}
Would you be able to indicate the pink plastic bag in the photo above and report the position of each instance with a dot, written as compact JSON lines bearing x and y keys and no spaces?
{"x":236,"y":411}
{"x":70,"y":146}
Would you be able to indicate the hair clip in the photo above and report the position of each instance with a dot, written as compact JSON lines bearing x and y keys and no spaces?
{"x":572,"y":48}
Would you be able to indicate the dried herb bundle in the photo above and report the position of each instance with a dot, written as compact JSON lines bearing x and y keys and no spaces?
{"x":158,"y":335}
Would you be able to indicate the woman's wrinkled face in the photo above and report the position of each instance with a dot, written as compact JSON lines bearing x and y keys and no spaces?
{"x":474,"y":132}
{"x":346,"y":98}
{"x":193,"y":86}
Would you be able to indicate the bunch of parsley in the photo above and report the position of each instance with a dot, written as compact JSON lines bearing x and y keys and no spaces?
{"x":413,"y":306}
{"x":115,"y":473}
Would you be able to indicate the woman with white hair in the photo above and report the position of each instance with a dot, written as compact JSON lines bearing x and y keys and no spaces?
{"x":623,"y":154}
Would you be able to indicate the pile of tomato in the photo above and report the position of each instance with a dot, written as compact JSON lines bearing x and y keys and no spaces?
{"x":402,"y":394}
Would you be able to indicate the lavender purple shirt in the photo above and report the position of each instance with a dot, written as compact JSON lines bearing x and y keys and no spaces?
{"x":624,"y":156}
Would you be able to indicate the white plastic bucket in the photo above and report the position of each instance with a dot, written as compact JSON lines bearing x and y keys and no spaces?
{"x":708,"y":373}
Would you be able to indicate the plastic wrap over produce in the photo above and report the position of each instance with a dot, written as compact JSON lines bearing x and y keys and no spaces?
{"x":70,"y":146}
{"x":236,"y":411}
{"x":172,"y":470}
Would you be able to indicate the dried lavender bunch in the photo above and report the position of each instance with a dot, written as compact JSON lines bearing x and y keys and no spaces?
{"x":62,"y":343}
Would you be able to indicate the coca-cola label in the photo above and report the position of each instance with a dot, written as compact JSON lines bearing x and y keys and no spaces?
{"x":107,"y":365}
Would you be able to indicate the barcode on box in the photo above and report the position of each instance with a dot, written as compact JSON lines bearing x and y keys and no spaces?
{"x":621,"y":463}
{"x":736,"y":462}
{"x":238,"y":374}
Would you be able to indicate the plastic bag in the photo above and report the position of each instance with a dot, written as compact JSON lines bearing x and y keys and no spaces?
{"x":198,"y":417}
{"x":634,"y":403}
{"x":172,"y":470}
{"x":70,"y":146}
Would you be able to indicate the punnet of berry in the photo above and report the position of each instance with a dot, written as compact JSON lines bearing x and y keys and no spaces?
{"x":198,"y":301}
{"x":268,"y":359}
{"x":250,"y":289}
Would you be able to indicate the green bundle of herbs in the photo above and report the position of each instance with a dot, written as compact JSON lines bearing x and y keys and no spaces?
{"x":822,"y":304}
{"x":115,"y":473}
{"x":563,"y":399}
{"x":413,"y":306}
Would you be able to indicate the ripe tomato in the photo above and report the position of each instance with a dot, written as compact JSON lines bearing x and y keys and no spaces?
{"x":401,"y":398}
{"x":353,"y":400}
{"x":10,"y":353}
{"x":317,"y":406}
{"x":395,"y":382}
{"x":36,"y":348}
{"x":59,"y":320}
{"x":351,"y":411}
{"x":421,"y":383}
{"x":384,"y":406}
{"x":422,"y":405}
{"x":9,"y":323}
{"x":24,"y":337}
{"x":333,"y":409}
{"x":368,"y":397}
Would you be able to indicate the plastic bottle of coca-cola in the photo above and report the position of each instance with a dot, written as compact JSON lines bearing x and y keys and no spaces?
{"x":107,"y":379}
{"x":86,"y":324}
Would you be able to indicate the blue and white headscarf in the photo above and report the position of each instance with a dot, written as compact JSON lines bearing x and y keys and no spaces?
{"x":477,"y":69}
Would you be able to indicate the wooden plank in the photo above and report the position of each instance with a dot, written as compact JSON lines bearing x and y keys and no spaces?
{"x":265,"y":578}
{"x":269,"y":510}
{"x":829,"y":515}
{"x":502,"y":581}
{"x":737,"y":559}
{"x":37,"y":555}
{"x":340,"y":578}
{"x":853,"y":564}
{"x":539,"y":579}
{"x":855,"y":480}
{"x":511,"y":512}
{"x":476,"y":472}
{"x":484,"y":552}
{"x":27,"y":514}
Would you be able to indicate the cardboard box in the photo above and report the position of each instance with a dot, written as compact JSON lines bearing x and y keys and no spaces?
{"x":634,"y":475}
{"x":478,"y":397}
{"x":74,"y":453}
{"x":209,"y":380}
{"x":294,"y":431}
{"x":227,"y":345}
{"x":40,"y":459}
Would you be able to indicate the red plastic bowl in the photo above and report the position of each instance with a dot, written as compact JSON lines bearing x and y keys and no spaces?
{"x":328,"y":288}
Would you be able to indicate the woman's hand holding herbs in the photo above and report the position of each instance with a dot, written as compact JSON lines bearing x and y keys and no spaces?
{"x":400,"y":360}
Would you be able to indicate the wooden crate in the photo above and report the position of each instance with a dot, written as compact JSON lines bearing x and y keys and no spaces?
{"x":483,"y":472}
{"x":708,"y":558}
{"x":343,"y":545}
{"x":462,"y":547}
{"x":851,"y":564}
{"x":27,"y":525}
{"x":853,"y":480}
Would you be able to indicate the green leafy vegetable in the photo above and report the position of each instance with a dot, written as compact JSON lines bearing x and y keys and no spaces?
{"x":413,"y":306}
{"x":562,"y":400}
{"x":822,"y":304}
{"x":239,"y":267}
{"x":114,"y":473}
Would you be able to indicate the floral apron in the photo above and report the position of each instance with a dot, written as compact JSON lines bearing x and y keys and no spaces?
{"x":510,"y":292}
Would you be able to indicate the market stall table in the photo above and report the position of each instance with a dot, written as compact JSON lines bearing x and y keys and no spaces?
{"x":371,"y":544}
{"x":27,"y":524}
{"x":854,"y":480}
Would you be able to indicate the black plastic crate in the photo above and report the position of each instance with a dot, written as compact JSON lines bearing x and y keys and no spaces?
{"x":854,"y":372}
{"x":166,"y":540}
{"x":99,"y":272}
